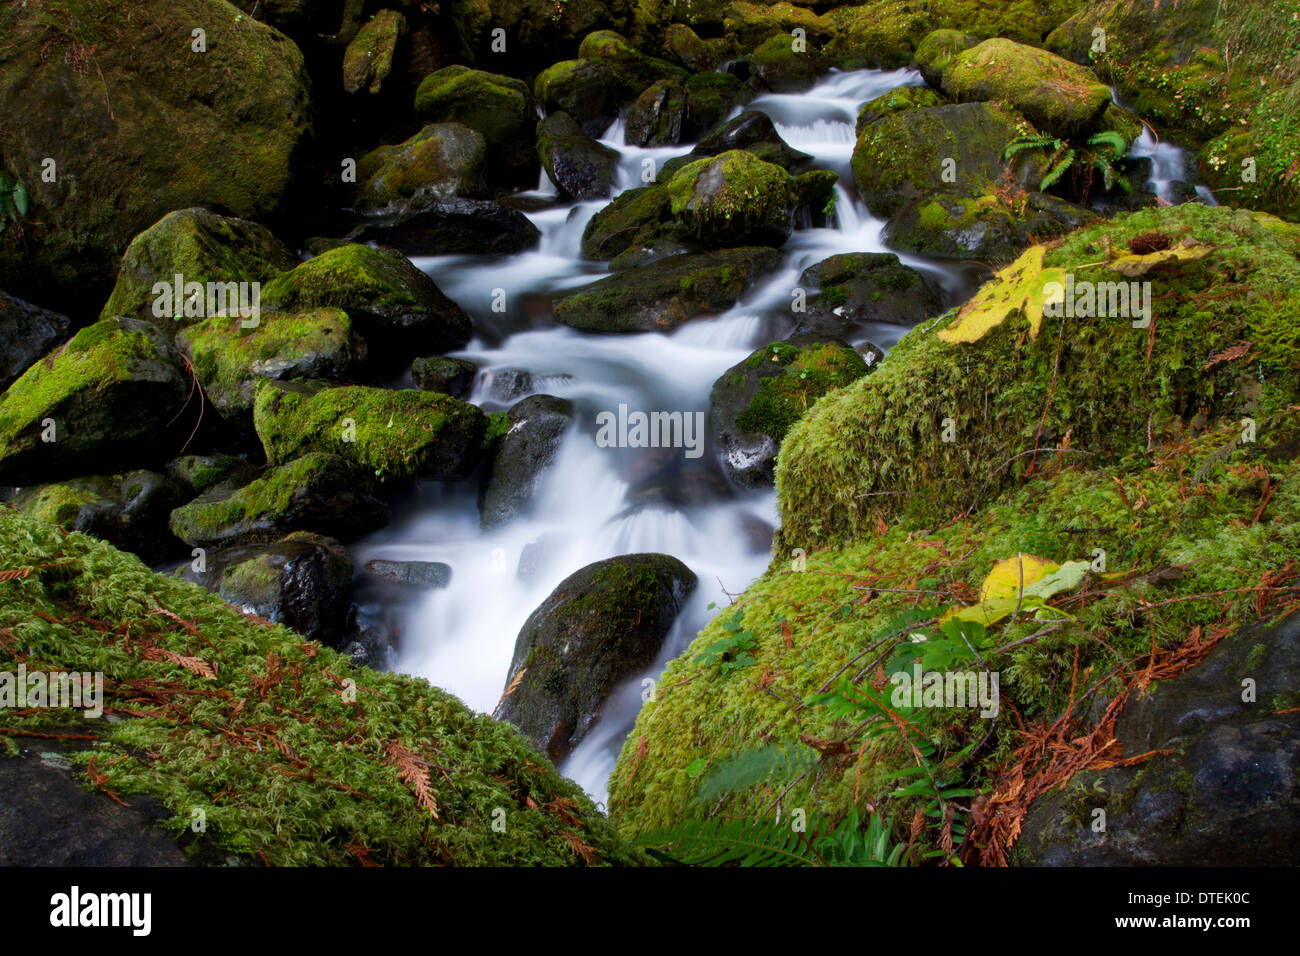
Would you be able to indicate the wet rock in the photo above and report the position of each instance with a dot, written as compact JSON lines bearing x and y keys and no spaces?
{"x":1224,"y":796}
{"x":535,"y":428}
{"x":870,"y":287}
{"x":710,"y":98}
{"x":689,"y":50}
{"x":368,"y":59}
{"x":508,"y":384}
{"x":418,"y":575}
{"x":655,"y":119}
{"x":443,"y":161}
{"x":937,"y":50}
{"x":26,"y":333}
{"x":755,"y":402}
{"x":586,"y":89}
{"x":752,"y":131}
{"x":895,"y":101}
{"x":452,"y":227}
{"x":576,"y":164}
{"x":600,"y":626}
{"x":881,"y":35}
{"x":634,"y":69}
{"x":128,"y":511}
{"x":498,"y":107}
{"x":782,"y":68}
{"x":452,"y":376}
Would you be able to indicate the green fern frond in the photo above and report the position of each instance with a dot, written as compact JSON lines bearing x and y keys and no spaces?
{"x":1109,"y":137}
{"x":732,"y":842}
{"x":1057,"y":171}
{"x":776,"y":761}
{"x":1030,"y":142}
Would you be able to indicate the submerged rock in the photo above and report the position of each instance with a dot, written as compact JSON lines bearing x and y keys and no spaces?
{"x":419,"y":575}
{"x":535,"y":428}
{"x":600,"y":626}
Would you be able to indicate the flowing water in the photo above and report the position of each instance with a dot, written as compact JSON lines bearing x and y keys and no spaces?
{"x":595,"y":503}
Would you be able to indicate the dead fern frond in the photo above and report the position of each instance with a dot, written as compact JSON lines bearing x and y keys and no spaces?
{"x":413,"y":774}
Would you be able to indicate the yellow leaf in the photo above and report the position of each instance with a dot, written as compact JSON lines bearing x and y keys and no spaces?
{"x":1023,"y":286}
{"x":1005,"y":579}
{"x":1187,"y":249}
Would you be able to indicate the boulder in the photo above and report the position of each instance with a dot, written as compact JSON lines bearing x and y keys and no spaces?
{"x":452,"y":227}
{"x":897,"y":100}
{"x":782,"y":67}
{"x":880,"y":35}
{"x":662,"y":294}
{"x":200,"y":246}
{"x":535,"y":428}
{"x":368,"y":59}
{"x":600,"y":626}
{"x":755,"y":402}
{"x":752,"y":131}
{"x":689,"y":50}
{"x":416,"y":575}
{"x":26,"y":333}
{"x":634,"y":69}
{"x":710,"y":98}
{"x":110,"y":397}
{"x":587,"y":90}
{"x":317,"y":492}
{"x":752,"y":23}
{"x":937,"y":50}
{"x":861,"y":287}
{"x":200,"y":473}
{"x":392,"y":434}
{"x":442,"y":161}
{"x":656,"y":117}
{"x":578,"y":166}
{"x":732,"y":199}
{"x":438,"y":373}
{"x":498,"y":107}
{"x":392,"y":304}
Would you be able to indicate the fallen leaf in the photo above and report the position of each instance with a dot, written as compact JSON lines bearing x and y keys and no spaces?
{"x":1023,"y":286}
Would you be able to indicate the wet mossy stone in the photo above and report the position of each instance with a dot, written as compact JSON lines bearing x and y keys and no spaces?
{"x":240,"y":138}
{"x":587,"y":90}
{"x":200,"y":473}
{"x":600,"y":626}
{"x":634,"y":69}
{"x":691,"y":52}
{"x":202,"y":247}
{"x":755,"y":402}
{"x":636,"y":217}
{"x":752,"y":23}
{"x":661,"y":295}
{"x":111,"y":394}
{"x":452,"y":227}
{"x":814,"y":189}
{"x":535,"y":428}
{"x":230,"y":359}
{"x":986,"y":228}
{"x":710,"y":98}
{"x":654,"y":20}
{"x":656,"y":118}
{"x":782,"y":68}
{"x":577,"y":165}
{"x":752,"y":131}
{"x":440,"y":373}
{"x":881,"y":35}
{"x":98,"y":594}
{"x":897,"y":100}
{"x":368,"y":59}
{"x":317,"y":492}
{"x":733,"y":199}
{"x":995,"y":389}
{"x":1220,"y":788}
{"x":860,"y":287}
{"x":417,"y":575}
{"x":26,"y":333}
{"x":390,"y":434}
{"x":392,"y":303}
{"x":129,"y":511}
{"x":1057,"y":96}
{"x":498,"y":107}
{"x":937,"y":50}
{"x":442,"y":161}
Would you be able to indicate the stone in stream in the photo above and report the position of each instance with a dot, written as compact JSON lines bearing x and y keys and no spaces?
{"x":26,"y":333}
{"x":534,"y":429}
{"x":600,"y":626}
{"x":439,"y":373}
{"x":710,"y":98}
{"x":634,"y":69}
{"x":854,"y":288}
{"x":782,"y":68}
{"x":577,"y":165}
{"x":452,"y":227}
{"x":755,"y":402}
{"x":752,"y":131}
{"x":937,"y":50}
{"x":1221,"y":787}
{"x":442,"y":161}
{"x":656,"y":117}
{"x":691,"y":52}
{"x":416,"y":575}
{"x":498,"y":107}
{"x":586,"y":89}
{"x":896,"y":100}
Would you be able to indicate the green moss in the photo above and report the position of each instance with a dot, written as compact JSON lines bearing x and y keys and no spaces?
{"x":58,"y":504}
{"x":347,"y":276}
{"x":882,"y":34}
{"x":896,"y":100}
{"x":809,"y":372}
{"x":752,"y":192}
{"x":287,"y":748}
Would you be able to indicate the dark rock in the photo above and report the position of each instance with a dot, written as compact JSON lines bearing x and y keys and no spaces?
{"x":600,"y":626}
{"x":752,"y":131}
{"x":418,"y":575}
{"x":870,"y":287}
{"x":508,"y":384}
{"x":656,"y":117}
{"x":451,"y":376}
{"x":580,"y":167}
{"x":587,"y":90}
{"x":535,"y":428}
{"x":710,"y":98}
{"x":26,"y":333}
{"x":452,"y":227}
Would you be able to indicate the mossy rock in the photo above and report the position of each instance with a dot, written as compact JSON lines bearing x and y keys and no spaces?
{"x":662,"y":294}
{"x":98,"y":606}
{"x":392,"y":434}
{"x":752,"y":131}
{"x":710,"y":98}
{"x":937,"y":50}
{"x":749,"y":24}
{"x":995,"y":390}
{"x":577,"y":165}
{"x":733,"y":199}
{"x":538,"y":32}
{"x":636,"y":217}
{"x":634,"y":69}
{"x":200,"y":473}
{"x":392,"y":303}
{"x":114,"y":129}
{"x":451,"y":227}
{"x":600,"y":626}
{"x":656,"y":117}
{"x":588,"y":90}
{"x":986,"y":227}
{"x":1026,"y":21}
{"x":230,"y":359}
{"x":442,"y":161}
{"x":1057,"y":96}
{"x":882,"y":35}
{"x":782,"y":67}
{"x":129,"y":511}
{"x":498,"y":107}
{"x":368,"y":59}
{"x":535,"y":428}
{"x":111,"y":395}
{"x":897,"y":100}
{"x":862,"y":287}
{"x":317,"y":492}
{"x":202,"y":247}
{"x":690,"y":51}
{"x":439,"y":373}
{"x":26,"y":333}
{"x":755,"y":402}
{"x":654,"y":20}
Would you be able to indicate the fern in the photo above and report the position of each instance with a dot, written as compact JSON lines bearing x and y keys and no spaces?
{"x":728,"y":842}
{"x":1057,"y":171}
{"x":770,"y":761}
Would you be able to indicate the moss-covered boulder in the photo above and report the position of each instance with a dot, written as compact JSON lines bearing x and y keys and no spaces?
{"x":440,"y":373}
{"x":200,"y":473}
{"x":148,"y":127}
{"x":860,"y":287}
{"x":498,"y":107}
{"x":661,"y":295}
{"x":600,"y":626}
{"x":654,"y":20}
{"x":710,"y":98}
{"x":451,"y":227}
{"x":368,"y":59}
{"x":755,"y":402}
{"x":290,"y":765}
{"x":230,"y":359}
{"x":733,"y":199}
{"x":392,"y":303}
{"x":588,"y":90}
{"x":785,"y":66}
{"x":752,"y":131}
{"x":534,"y":429}
{"x":897,"y":100}
{"x":26,"y":333}
{"x":391,"y":434}
{"x":634,"y":69}
{"x":1057,"y":96}
{"x":937,"y":50}
{"x":537,"y":31}
{"x":442,"y":161}
{"x":200,"y":246}
{"x":752,"y":23}
{"x":880,"y":35}
{"x":577,"y":165}
{"x":129,"y":511}
{"x":108,"y":398}
{"x":688,"y":49}
{"x":656,"y":117}
{"x":317,"y":492}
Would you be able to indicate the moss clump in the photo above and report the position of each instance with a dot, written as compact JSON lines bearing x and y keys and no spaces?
{"x":351,"y":276}
{"x":732,"y":198}
{"x":897,"y":100}
{"x":289,"y":750}
{"x":498,"y":107}
{"x":392,"y":434}
{"x":636,"y":217}
{"x":442,"y":161}
{"x":1085,"y":382}
{"x":752,"y":23}
{"x":808,"y":372}
{"x":59,"y":504}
